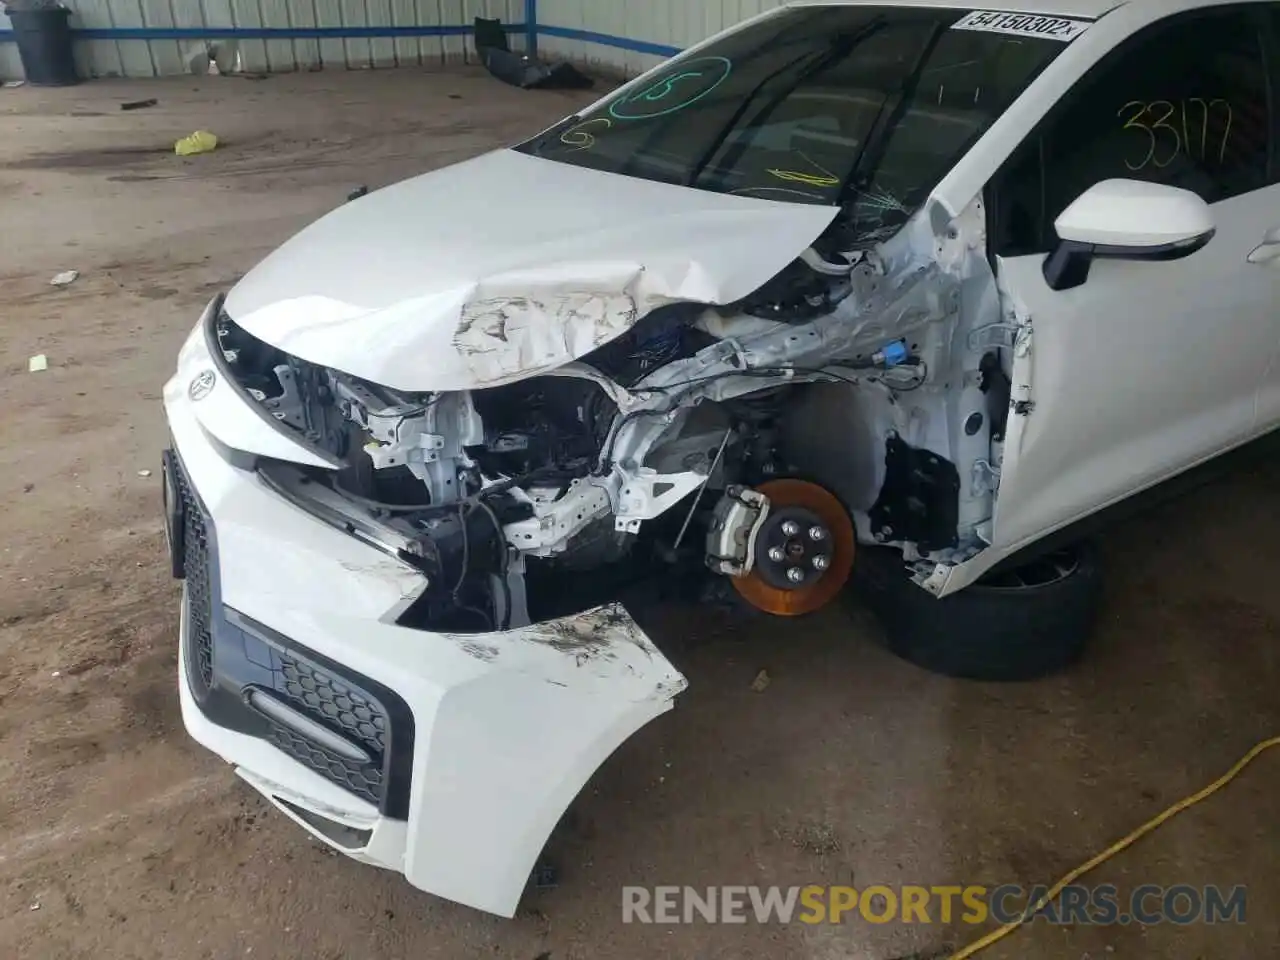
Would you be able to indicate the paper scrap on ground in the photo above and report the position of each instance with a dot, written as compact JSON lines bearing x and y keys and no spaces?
{"x":64,"y":278}
{"x":37,"y":363}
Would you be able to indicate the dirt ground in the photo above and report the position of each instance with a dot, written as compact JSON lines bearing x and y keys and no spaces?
{"x":119,"y":838}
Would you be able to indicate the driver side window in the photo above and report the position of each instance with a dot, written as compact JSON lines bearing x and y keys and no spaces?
{"x":1184,"y":103}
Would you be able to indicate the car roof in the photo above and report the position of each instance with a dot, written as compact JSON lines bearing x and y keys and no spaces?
{"x":1086,"y":9}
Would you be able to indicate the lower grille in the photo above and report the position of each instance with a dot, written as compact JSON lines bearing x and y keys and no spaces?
{"x":363,"y":780}
{"x":199,"y":572}
{"x":342,"y":709}
{"x":334,"y":703}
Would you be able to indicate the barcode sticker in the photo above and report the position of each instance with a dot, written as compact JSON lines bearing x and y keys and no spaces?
{"x":1022,"y":25}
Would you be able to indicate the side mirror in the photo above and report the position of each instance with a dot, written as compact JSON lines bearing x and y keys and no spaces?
{"x":1126,"y":219}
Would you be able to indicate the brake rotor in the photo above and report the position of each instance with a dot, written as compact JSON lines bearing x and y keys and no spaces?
{"x":803,"y":553}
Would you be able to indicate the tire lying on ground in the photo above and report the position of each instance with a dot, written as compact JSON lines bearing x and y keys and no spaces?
{"x":1017,"y":624}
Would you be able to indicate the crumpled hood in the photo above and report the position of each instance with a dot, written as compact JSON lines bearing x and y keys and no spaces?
{"x":506,"y":266}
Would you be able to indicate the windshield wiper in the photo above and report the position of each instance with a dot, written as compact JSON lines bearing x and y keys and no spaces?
{"x":841,"y":46}
{"x":876,"y":141}
{"x":559,"y":129}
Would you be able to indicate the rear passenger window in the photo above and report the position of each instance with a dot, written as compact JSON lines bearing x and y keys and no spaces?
{"x":1184,"y":103}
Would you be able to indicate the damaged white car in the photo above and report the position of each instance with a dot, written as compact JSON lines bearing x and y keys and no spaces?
{"x":847,"y":282}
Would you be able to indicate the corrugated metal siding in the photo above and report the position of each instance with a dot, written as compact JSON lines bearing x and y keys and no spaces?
{"x":668,"y":23}
{"x":10,"y":65}
{"x":658,"y":23}
{"x":148,"y":58}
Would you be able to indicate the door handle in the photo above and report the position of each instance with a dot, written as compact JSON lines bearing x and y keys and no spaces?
{"x":1268,"y":249}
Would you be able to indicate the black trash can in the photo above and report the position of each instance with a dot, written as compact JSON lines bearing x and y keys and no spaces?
{"x":44,"y":43}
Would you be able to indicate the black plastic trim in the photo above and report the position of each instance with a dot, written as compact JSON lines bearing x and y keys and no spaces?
{"x":1068,"y":265}
{"x":174,"y":518}
{"x":920,"y":499}
{"x":397,"y":765}
{"x":201,"y":690}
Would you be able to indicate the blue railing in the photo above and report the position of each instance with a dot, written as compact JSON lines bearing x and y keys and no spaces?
{"x":268,"y":33}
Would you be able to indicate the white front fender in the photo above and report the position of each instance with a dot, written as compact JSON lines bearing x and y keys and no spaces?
{"x":510,"y":750}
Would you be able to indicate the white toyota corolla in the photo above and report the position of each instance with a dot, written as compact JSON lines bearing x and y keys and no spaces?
{"x":905,"y":281}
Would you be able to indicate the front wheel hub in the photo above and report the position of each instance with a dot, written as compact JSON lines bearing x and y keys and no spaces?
{"x":792,"y":548}
{"x":803,"y":552}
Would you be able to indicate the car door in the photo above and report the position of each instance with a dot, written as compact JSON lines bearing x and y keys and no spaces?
{"x":1147,"y":367}
{"x":1267,"y":254}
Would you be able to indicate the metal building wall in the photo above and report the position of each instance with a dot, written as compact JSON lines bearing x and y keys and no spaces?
{"x":376,"y":22}
{"x":632,"y":37}
{"x":10,"y":65}
{"x":357,"y":34}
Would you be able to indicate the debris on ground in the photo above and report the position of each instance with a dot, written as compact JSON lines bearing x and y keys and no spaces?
{"x":37,"y":363}
{"x":520,"y":70}
{"x":213,"y":59}
{"x":65,"y":278}
{"x":819,"y":839}
{"x":12,"y":84}
{"x":546,"y":876}
{"x":357,"y":193}
{"x":144,"y":473}
{"x":202,"y":141}
{"x":138,"y":104}
{"x":761,"y":682}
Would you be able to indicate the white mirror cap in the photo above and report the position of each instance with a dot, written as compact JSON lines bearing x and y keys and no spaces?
{"x":1132,"y":213}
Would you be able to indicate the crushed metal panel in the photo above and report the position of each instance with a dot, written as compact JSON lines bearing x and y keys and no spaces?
{"x":502,"y":337}
{"x":602,"y":650}
{"x":320,"y":296}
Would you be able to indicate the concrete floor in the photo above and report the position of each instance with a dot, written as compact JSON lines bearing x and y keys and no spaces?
{"x":119,"y":838}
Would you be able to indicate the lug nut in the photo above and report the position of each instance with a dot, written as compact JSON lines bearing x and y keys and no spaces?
{"x":795,"y":574}
{"x":776,"y":554}
{"x":817,"y":533}
{"x":790,"y":528}
{"x":820,"y":562}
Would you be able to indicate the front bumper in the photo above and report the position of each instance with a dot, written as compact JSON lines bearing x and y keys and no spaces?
{"x":448,"y":758}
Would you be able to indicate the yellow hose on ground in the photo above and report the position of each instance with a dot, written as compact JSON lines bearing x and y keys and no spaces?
{"x":1001,"y":932}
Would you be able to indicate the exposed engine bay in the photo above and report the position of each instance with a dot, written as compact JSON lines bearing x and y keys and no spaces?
{"x":878,"y":376}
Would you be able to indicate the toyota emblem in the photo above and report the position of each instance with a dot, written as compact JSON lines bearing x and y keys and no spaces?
{"x":202,"y":385}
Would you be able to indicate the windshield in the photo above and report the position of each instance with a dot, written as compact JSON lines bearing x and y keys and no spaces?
{"x":863,"y":106}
